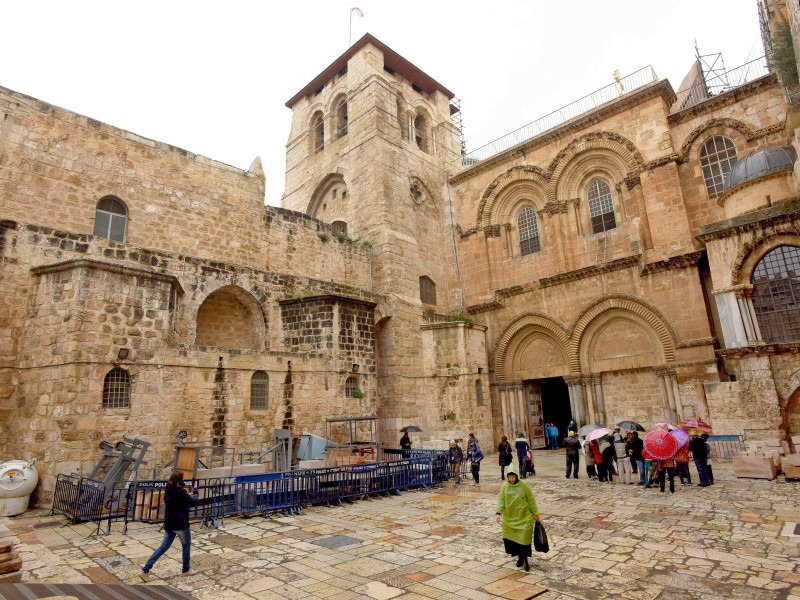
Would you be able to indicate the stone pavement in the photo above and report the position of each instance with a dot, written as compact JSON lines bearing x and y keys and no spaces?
{"x":735,"y":540}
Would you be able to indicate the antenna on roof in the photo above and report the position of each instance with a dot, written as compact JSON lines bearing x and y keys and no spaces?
{"x":360,"y":13}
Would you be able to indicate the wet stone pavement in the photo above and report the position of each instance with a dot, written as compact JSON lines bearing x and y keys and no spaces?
{"x":735,"y":540}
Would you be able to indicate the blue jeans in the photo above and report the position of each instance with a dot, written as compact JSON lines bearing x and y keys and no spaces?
{"x":523,"y":463}
{"x":642,"y":474}
{"x":702,"y":473}
{"x":184,"y":535}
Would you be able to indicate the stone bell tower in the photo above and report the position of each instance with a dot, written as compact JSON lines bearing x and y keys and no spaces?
{"x":371,"y":147}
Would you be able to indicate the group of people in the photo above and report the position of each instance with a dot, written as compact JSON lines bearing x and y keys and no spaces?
{"x":626,"y":456}
{"x":522,"y":448}
{"x":474,"y":454}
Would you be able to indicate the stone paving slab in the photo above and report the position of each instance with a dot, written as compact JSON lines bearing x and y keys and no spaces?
{"x":734,"y":540}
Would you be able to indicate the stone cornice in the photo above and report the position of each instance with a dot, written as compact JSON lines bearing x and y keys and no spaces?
{"x":593,"y":271}
{"x":99,"y":265}
{"x":785,"y":211}
{"x":661,"y":89}
{"x":709,"y":341}
{"x":484,"y":307}
{"x":330,"y":298}
{"x":452,"y":325}
{"x":729,"y":97}
{"x":760,"y":350}
{"x":682,"y":261}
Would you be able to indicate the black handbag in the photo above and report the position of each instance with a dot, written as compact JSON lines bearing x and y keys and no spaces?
{"x":540,"y":543}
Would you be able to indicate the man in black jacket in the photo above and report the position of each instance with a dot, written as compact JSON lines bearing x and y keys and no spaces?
{"x":573,"y":447}
{"x":697,"y":446}
{"x":636,"y":446}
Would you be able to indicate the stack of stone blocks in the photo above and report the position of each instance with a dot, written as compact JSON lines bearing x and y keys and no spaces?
{"x":766,"y":459}
{"x":10,"y":561}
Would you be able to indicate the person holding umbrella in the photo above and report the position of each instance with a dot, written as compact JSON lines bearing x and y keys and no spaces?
{"x":405,"y":444}
{"x":517,"y":509}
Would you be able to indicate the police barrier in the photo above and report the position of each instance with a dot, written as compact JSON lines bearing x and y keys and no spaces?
{"x":79,"y":498}
{"x":143,"y":501}
{"x":725,"y":447}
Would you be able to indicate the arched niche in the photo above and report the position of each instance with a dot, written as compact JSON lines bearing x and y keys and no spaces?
{"x":230,"y":317}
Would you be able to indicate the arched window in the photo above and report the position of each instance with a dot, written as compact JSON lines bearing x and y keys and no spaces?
{"x":351,"y":387}
{"x":427,"y":290}
{"x":339,"y":227}
{"x":601,"y":206}
{"x":776,"y":295}
{"x":478,"y":393}
{"x":111,"y":219}
{"x":421,"y":133}
{"x":528,"y":232}
{"x":259,"y":391}
{"x":117,"y":389}
{"x":717,"y":156}
{"x":341,"y":119}
{"x":318,"y":131}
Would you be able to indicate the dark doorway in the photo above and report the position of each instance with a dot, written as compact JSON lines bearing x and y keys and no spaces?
{"x":555,"y":404}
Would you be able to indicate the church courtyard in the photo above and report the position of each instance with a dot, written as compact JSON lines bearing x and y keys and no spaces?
{"x":738,"y":539}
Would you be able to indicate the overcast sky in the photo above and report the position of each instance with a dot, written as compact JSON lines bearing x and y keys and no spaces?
{"x":213,"y":77}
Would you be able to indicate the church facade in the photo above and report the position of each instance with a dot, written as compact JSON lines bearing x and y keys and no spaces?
{"x":638,"y":261}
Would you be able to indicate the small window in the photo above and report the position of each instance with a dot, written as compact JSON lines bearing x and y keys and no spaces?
{"x":259,"y":391}
{"x":117,"y":389}
{"x":339,"y":227}
{"x":318,"y":132}
{"x":421,"y":132}
{"x":601,"y":206}
{"x":427,"y":290}
{"x":351,"y":388}
{"x":717,"y":156}
{"x":776,"y":295}
{"x":341,"y":119}
{"x":478,"y":393}
{"x":528,"y":232}
{"x":111,"y":219}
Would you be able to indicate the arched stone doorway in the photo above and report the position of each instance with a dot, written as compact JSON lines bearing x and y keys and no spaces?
{"x":532,"y":361}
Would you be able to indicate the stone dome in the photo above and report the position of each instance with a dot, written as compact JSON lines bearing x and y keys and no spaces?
{"x":758,"y":163}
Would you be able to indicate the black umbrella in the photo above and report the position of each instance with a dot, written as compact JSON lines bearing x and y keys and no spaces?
{"x":630,"y":426}
{"x":414,"y":429}
{"x":589,"y":428}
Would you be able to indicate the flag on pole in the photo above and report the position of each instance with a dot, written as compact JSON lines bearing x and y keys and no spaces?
{"x":360,"y":13}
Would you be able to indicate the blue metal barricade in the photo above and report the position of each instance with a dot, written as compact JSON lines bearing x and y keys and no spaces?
{"x":143,"y":501}
{"x":79,"y":498}
{"x":725,"y":447}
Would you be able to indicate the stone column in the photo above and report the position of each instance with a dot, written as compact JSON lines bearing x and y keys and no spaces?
{"x":734,"y":334}
{"x":744,"y":297}
{"x":522,"y":413}
{"x":575,"y":398}
{"x":667,"y":395}
{"x":588,"y":390}
{"x":597,"y":383}
{"x":505,"y":407}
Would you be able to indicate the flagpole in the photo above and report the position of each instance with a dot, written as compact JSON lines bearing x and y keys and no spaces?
{"x":350,"y":35}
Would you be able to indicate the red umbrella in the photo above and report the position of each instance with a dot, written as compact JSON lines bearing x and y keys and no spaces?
{"x":661,"y":445}
{"x":698,"y":424}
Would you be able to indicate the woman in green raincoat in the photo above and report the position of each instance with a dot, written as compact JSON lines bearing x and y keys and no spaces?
{"x":517,"y":506}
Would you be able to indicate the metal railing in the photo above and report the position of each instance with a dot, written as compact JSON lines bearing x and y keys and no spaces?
{"x":725,"y":447}
{"x":143,"y":501}
{"x":717,"y":83}
{"x":589,"y":102}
